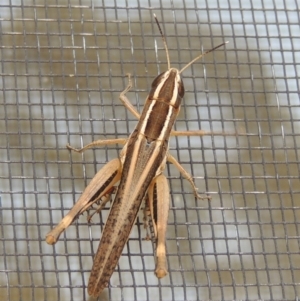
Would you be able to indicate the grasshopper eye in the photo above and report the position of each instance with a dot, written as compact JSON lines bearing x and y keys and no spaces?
{"x":180,"y":88}
{"x":158,"y":79}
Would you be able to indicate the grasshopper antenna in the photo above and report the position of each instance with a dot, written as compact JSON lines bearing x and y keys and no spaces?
{"x":202,"y":55}
{"x":164,"y":40}
{"x":191,"y":62}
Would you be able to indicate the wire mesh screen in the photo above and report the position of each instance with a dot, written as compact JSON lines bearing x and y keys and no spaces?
{"x":63,"y":66}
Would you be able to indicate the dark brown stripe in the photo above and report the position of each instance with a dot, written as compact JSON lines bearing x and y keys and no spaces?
{"x":167,"y":90}
{"x":157,"y":119}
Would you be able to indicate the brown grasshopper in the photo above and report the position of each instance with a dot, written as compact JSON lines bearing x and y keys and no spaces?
{"x":139,"y":170}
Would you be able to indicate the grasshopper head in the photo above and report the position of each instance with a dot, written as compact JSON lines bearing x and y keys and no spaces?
{"x":167,"y":87}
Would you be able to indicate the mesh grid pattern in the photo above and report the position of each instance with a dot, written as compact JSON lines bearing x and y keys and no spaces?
{"x":63,"y":66}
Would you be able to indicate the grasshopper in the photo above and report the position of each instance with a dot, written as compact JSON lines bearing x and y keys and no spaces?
{"x":139,"y":170}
